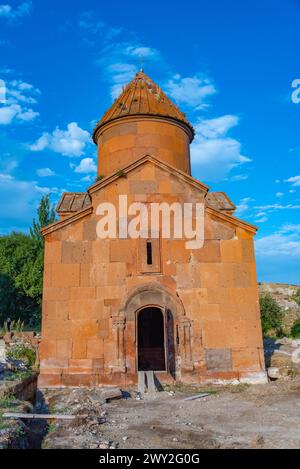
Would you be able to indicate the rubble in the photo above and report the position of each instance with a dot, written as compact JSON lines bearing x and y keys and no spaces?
{"x":274,"y":373}
{"x":283,"y":355}
{"x":160,"y":422}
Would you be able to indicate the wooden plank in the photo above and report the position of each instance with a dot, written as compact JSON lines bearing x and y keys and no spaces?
{"x":196,"y":396}
{"x":18,"y":415}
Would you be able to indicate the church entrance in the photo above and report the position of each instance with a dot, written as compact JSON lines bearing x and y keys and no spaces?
{"x":151,"y":339}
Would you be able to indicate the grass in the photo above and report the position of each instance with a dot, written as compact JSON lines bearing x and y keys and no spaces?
{"x":16,"y":375}
{"x":20,"y":432}
{"x":51,"y":427}
{"x":190,"y":389}
{"x":56,"y":409}
{"x":238,"y":388}
{"x":187,"y":388}
{"x":22,"y":352}
{"x":3,"y":423}
{"x":8,"y":401}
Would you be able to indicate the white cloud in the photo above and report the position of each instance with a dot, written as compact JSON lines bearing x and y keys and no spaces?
{"x":5,"y":177}
{"x":295,"y":180}
{"x":218,"y":127}
{"x":276,"y":207}
{"x":45,"y":172}
{"x":8,"y":113}
{"x":295,"y":151}
{"x":48,"y":190}
{"x":18,"y":201}
{"x":261,"y":220}
{"x":24,"y":9}
{"x":213,"y":152}
{"x":41,"y":143}
{"x":243,"y":206}
{"x":284,"y":242}
{"x":290,"y":227}
{"x":279,"y":194}
{"x":86,"y":166}
{"x":87,"y":23}
{"x":190,"y":91}
{"x":87,"y":178}
{"x":7,"y":163}
{"x":7,"y":71}
{"x":5,"y":10}
{"x":261,"y":213}
{"x":121,"y":74}
{"x":17,"y":89}
{"x":19,"y":96}
{"x":15,"y":111}
{"x":94,"y":29}
{"x":238,"y":177}
{"x":142,"y":52}
{"x":70,"y":142}
{"x":27,"y":115}
{"x":120,"y":61}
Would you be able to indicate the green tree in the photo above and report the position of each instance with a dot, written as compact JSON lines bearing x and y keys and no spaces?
{"x":19,"y":292}
{"x":21,"y":269}
{"x":271,"y":314}
{"x":295,"y":329}
{"x":46,"y":216}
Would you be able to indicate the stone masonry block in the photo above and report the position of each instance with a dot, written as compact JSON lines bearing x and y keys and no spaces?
{"x":76,"y":252}
{"x":218,"y":359}
{"x":52,"y":252}
{"x":143,"y":187}
{"x":65,"y":275}
{"x":231,"y":250}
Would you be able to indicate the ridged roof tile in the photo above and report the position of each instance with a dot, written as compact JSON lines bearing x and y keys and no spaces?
{"x":143,"y":97}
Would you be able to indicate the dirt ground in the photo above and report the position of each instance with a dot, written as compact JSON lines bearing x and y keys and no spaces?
{"x":262,"y":416}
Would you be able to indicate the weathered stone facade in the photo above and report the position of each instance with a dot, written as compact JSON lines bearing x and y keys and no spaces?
{"x":95,"y":289}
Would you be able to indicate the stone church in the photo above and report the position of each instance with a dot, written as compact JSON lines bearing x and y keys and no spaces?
{"x":115,"y":306}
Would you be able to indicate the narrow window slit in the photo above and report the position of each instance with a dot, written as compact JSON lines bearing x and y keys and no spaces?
{"x":149,"y":253}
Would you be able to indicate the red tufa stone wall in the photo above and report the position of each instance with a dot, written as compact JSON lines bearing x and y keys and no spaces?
{"x":93,"y":289}
{"x":128,"y":139}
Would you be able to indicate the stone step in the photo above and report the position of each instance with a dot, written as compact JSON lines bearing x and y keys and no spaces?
{"x":150,"y":382}
{"x":146,"y":382}
{"x":141,"y":382}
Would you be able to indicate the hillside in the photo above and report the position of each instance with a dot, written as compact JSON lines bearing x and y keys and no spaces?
{"x":283,"y":294}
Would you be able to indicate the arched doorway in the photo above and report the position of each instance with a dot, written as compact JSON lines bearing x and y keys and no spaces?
{"x":151,"y":339}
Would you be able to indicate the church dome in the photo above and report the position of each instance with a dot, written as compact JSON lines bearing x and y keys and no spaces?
{"x":142,"y":97}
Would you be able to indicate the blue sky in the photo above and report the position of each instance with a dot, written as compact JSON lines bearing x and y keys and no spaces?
{"x":229,"y":65}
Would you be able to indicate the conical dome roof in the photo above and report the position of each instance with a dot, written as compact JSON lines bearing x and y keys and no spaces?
{"x":142,"y":97}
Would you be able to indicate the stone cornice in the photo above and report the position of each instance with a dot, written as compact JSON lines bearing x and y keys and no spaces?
{"x":139,"y":118}
{"x":67,"y":221}
{"x":231,"y":219}
{"x":164,"y":166}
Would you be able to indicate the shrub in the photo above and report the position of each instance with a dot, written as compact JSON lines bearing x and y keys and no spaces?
{"x":271,"y":315}
{"x":295,"y":329}
{"x":296,"y":296}
{"x":15,"y":326}
{"x":121,"y":173}
{"x":22,"y":352}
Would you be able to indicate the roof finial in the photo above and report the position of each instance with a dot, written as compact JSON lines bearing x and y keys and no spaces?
{"x":141,"y":57}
